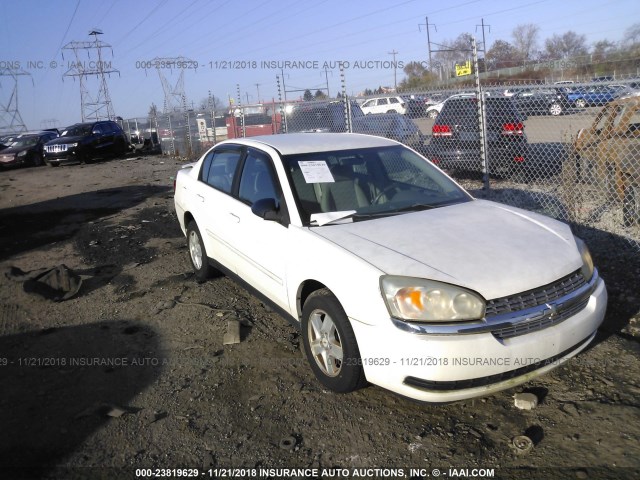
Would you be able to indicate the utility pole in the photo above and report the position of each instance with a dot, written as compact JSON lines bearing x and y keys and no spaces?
{"x":326,"y":77}
{"x":484,"y":44}
{"x":395,"y":68}
{"x":258,"y":89}
{"x":427,"y":24}
{"x":100,"y":107}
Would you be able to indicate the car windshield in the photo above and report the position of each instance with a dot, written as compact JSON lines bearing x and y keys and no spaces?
{"x":24,"y":142}
{"x":368,"y":183}
{"x":77,"y":131}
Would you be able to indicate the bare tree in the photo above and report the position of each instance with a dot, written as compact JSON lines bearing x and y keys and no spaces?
{"x":525,"y":41}
{"x":208,"y":103}
{"x":454,"y":51}
{"x":603,"y":49}
{"x":567,"y":45}
{"x":631,"y":36}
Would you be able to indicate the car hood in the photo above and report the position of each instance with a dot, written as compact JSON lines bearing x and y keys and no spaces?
{"x":487,"y":247}
{"x":63,"y":140}
{"x":13,"y":150}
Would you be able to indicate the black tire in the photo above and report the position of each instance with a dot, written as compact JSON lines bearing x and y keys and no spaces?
{"x":197,"y":253}
{"x":325,"y":326}
{"x":36,"y":160}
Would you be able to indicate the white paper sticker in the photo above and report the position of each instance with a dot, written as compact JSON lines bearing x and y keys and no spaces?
{"x":316,"y":171}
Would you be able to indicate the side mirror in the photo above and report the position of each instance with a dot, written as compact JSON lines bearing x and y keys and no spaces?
{"x":266,"y":208}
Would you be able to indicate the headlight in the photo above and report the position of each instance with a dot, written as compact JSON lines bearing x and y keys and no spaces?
{"x":587,"y":261}
{"x":22,"y":153}
{"x":72,"y":145}
{"x":410,"y":298}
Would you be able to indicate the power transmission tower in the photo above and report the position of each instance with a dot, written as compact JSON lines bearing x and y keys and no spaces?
{"x":97,"y":107}
{"x":10,"y":118}
{"x":174,"y":97}
{"x":427,"y":25}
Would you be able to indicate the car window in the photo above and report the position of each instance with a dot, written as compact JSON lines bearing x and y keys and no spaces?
{"x":382,"y":101}
{"x":393,"y":100}
{"x":256,"y":181}
{"x":372,"y":181}
{"x":221,"y":169}
{"x":368,"y":103}
{"x":97,"y":129}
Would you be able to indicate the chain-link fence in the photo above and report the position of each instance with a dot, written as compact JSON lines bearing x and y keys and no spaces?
{"x":568,"y":150}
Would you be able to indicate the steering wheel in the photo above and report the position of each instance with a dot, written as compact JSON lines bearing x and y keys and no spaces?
{"x":386,"y":189}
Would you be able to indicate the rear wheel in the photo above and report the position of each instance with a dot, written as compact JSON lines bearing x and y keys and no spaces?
{"x":330,"y":344}
{"x":36,"y":160}
{"x":580,"y":103}
{"x":555,"y":109}
{"x":197,"y":253}
{"x":432,"y":113}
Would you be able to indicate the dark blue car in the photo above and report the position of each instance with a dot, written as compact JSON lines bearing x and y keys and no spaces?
{"x":587,"y":97}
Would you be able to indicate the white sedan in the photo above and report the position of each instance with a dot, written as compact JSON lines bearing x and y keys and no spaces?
{"x":395,"y":275}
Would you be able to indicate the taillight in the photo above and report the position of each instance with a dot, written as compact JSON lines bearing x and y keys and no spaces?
{"x":512,"y":128}
{"x":518,"y":159}
{"x":441,"y":131}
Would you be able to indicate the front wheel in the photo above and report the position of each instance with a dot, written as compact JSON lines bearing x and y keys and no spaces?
{"x":581,"y":103}
{"x":197,"y":253}
{"x":330,"y":344}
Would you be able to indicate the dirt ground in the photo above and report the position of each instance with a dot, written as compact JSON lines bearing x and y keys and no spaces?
{"x":132,"y":373}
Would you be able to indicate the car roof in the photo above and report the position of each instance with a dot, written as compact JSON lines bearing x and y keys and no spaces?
{"x":291,"y":143}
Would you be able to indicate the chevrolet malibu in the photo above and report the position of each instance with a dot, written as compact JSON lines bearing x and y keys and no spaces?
{"x":395,"y":275}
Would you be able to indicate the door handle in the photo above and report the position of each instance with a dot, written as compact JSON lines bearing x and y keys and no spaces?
{"x":200,"y":197}
{"x":235,"y":218}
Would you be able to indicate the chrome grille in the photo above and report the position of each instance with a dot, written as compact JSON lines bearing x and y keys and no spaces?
{"x":62,"y":147}
{"x":533,"y":298}
{"x":540,"y":323}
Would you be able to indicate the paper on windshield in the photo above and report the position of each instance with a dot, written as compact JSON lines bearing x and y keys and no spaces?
{"x":316,"y":171}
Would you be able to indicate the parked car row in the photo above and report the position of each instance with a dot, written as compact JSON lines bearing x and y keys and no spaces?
{"x":78,"y":143}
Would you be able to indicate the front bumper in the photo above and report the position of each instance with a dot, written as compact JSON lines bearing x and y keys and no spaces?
{"x":450,"y":367}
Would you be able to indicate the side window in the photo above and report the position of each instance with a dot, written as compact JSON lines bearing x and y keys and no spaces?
{"x":369,"y":103}
{"x":97,"y":129}
{"x":222,"y":169}
{"x":393,"y":100}
{"x":382,"y":101}
{"x":257,"y":181}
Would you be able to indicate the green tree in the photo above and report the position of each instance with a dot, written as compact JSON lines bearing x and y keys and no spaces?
{"x":501,"y":55}
{"x":320,"y":95}
{"x":307,"y":95}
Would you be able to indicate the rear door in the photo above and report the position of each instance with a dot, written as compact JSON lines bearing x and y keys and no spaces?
{"x":212,"y":203}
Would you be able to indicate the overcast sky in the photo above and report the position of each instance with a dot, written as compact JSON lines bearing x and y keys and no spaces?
{"x":246,"y":42}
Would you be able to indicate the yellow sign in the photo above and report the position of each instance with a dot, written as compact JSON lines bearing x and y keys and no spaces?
{"x":462,"y":70}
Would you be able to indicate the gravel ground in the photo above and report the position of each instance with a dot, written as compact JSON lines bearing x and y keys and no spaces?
{"x":132,"y":372}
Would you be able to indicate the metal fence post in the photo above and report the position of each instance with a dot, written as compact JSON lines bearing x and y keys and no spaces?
{"x":482,"y":119}
{"x":347,"y":106}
